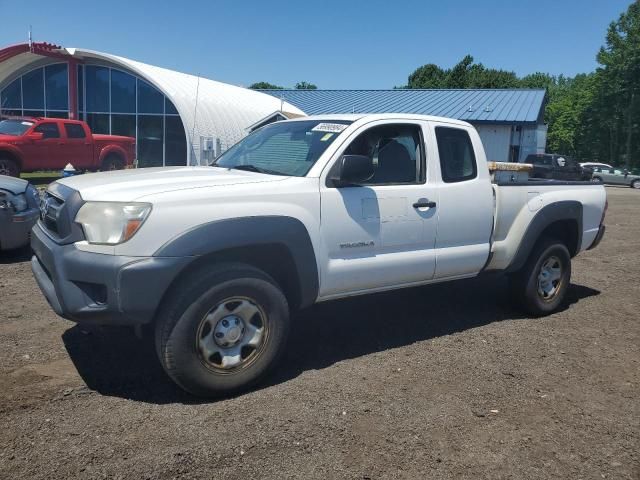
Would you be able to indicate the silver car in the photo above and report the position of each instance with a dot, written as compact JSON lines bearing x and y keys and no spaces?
{"x":615,"y":176}
{"x":19,"y":211}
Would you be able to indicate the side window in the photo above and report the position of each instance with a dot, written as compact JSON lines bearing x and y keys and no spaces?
{"x":74,"y":130}
{"x":396,"y":151}
{"x":48,"y":130}
{"x":457,"y":159}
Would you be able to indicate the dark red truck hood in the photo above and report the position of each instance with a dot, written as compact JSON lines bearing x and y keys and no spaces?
{"x":10,"y":138}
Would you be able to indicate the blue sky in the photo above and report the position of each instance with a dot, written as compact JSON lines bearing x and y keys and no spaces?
{"x":334,"y":44}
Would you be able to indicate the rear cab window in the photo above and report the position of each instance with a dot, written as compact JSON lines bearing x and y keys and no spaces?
{"x":74,"y":130}
{"x":457,"y":157}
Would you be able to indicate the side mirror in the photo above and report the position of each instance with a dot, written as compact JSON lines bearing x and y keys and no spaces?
{"x":35,"y":136}
{"x":352,"y":170}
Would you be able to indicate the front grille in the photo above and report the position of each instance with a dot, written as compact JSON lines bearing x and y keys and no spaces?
{"x":50,"y":212}
{"x":58,"y":209}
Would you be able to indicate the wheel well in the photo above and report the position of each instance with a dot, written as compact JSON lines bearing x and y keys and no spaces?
{"x":273,"y":259}
{"x":11,"y":156}
{"x":567,"y":231}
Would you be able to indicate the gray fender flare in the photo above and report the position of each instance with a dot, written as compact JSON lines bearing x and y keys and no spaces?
{"x":241,"y":232}
{"x":549,"y":214}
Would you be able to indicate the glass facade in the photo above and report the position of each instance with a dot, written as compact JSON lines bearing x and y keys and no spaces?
{"x":111,"y":101}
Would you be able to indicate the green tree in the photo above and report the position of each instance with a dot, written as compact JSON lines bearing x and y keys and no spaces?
{"x":427,"y":76}
{"x":618,"y":98}
{"x":305,"y":86}
{"x":264,"y":86}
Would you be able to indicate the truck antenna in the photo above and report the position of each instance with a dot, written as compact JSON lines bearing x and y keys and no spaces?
{"x":30,"y":39}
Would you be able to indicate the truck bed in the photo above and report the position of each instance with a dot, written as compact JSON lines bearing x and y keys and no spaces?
{"x":516,"y":204}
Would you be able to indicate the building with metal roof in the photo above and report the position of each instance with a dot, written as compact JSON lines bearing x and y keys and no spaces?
{"x":510,"y":121}
{"x":176,"y":118}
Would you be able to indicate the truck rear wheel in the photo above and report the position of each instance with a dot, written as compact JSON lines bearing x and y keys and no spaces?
{"x":222,"y":330}
{"x":112,"y":162}
{"x":9,"y":167}
{"x":541,"y":286}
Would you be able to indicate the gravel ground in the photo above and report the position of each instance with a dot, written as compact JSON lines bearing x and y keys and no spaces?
{"x":441,"y":382}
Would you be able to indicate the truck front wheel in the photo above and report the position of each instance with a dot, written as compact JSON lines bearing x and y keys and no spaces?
{"x":541,"y":286}
{"x":9,"y":167}
{"x":112,"y":162}
{"x":222,"y":330}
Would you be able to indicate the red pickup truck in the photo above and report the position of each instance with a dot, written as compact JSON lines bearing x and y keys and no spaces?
{"x":30,"y":144}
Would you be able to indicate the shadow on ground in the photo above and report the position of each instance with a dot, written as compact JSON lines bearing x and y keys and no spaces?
{"x":18,"y":255}
{"x":115,"y":363}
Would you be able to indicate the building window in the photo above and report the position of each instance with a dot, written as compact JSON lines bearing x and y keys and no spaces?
{"x":57,"y":86}
{"x":98,"y":123}
{"x":11,"y":96}
{"x":96,"y":88}
{"x":123,"y":125}
{"x":150,"y":140}
{"x":123,"y":92}
{"x":150,"y":100}
{"x":175,"y":141}
{"x":33,"y":90}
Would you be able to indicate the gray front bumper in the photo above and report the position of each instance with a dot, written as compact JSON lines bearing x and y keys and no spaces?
{"x":101,"y":289}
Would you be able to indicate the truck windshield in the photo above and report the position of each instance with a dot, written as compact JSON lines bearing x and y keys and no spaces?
{"x":14,"y":127}
{"x":283,"y":148}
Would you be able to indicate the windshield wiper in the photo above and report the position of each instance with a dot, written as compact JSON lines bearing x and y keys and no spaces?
{"x":253,"y":168}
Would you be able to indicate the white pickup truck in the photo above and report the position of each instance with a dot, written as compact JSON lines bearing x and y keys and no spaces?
{"x":214,"y":259}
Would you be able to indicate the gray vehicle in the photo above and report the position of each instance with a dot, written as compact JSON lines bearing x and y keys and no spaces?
{"x":19,"y":211}
{"x":615,"y":176}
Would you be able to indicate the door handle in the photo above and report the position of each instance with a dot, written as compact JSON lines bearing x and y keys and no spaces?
{"x":424,"y":204}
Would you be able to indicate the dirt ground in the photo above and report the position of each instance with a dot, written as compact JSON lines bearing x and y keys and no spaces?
{"x":441,"y":382}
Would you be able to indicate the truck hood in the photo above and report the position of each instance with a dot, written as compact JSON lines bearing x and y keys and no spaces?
{"x":129,"y":185}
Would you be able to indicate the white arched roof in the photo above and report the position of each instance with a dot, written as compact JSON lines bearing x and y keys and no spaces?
{"x":222,"y":111}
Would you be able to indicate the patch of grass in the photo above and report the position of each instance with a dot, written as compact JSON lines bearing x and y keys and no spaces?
{"x":41,"y":179}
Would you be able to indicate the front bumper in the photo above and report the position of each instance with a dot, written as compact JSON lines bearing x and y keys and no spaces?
{"x":598,"y":239}
{"x":101,"y":289}
{"x":14,"y":233}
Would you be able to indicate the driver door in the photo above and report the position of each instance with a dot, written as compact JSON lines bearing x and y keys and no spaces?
{"x":375,"y":235}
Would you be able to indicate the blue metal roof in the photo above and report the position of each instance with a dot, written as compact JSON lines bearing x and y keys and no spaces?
{"x":471,"y":105}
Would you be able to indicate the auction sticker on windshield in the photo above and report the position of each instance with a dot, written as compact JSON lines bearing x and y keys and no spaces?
{"x":329,"y":127}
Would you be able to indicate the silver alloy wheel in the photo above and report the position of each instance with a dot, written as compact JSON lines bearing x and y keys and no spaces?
{"x":636,"y":184}
{"x":550,"y":278}
{"x":232,"y":334}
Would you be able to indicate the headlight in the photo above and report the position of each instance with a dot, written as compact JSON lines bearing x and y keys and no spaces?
{"x":19,"y":202}
{"x":111,"y":223}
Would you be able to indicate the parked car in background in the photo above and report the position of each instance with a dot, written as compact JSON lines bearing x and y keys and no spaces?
{"x":615,"y":176}
{"x":29,"y":144}
{"x":557,"y":167}
{"x":593,"y":165}
{"x":19,"y":211}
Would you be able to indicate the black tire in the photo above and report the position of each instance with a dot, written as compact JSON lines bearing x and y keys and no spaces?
{"x":635,"y":184}
{"x":525,"y":285}
{"x":181,"y":324}
{"x":112,"y":162}
{"x":596,"y":179}
{"x":9,"y":167}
